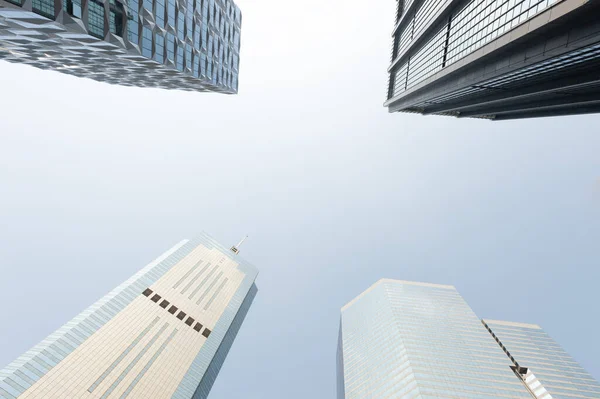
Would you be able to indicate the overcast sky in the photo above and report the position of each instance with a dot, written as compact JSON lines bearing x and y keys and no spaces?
{"x":335,"y":193}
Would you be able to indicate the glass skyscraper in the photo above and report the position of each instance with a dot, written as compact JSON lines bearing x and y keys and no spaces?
{"x":401,"y":339}
{"x":189,"y":45}
{"x":548,"y":371}
{"x":495,"y":59}
{"x":164,"y":333}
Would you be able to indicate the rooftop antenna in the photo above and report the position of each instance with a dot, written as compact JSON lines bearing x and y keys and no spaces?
{"x":236,"y":248}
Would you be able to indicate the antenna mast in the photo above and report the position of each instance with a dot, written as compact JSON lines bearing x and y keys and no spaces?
{"x":236,"y":248}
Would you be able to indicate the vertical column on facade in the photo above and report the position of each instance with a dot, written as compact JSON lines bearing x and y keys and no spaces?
{"x":58,"y":7}
{"x":85,"y":14}
{"x":407,"y":73}
{"x":447,"y":40}
{"x":399,"y":10}
{"x":391,"y":82}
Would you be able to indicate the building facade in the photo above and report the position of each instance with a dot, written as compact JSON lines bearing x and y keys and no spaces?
{"x":402,"y":339}
{"x":164,"y":333}
{"x":495,"y":59}
{"x":547,"y":370}
{"x":191,"y":45}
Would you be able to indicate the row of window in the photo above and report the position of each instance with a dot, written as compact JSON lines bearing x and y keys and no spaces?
{"x":174,"y":309}
{"x":155,"y":47}
{"x":468,"y":29}
{"x":43,"y":7}
{"x":95,"y":14}
{"x":183,"y":20}
{"x":163,"y":47}
{"x":571,"y":59}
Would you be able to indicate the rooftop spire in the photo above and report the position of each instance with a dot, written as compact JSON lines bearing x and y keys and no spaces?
{"x":236,"y":248}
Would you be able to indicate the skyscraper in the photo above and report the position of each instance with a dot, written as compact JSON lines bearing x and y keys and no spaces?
{"x":164,"y":333}
{"x":547,"y":370}
{"x":401,"y":339}
{"x":495,"y":59}
{"x":170,"y":44}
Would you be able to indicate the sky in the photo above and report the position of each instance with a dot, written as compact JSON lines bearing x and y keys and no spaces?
{"x":334,"y":192}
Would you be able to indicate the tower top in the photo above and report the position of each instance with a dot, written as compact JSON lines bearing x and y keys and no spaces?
{"x":236,"y":248}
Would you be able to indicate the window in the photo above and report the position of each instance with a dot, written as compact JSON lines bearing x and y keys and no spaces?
{"x":156,"y":298}
{"x":116,"y":18}
{"x":159,"y":48}
{"x":189,"y":321}
{"x":206,"y":332}
{"x":189,"y":25}
{"x":181,"y":315}
{"x":196,"y":71}
{"x":171,"y":12}
{"x":147,"y":292}
{"x":160,"y":13}
{"x":44,"y":7}
{"x":173,"y":309}
{"x":146,"y":42}
{"x":132,"y":30}
{"x":188,"y":56}
{"x":170,"y":47}
{"x":164,"y":304}
{"x":73,"y":8}
{"x":132,"y":24}
{"x":96,"y":19}
{"x":180,"y":26}
{"x":179,"y":58}
{"x":197,"y":43}
{"x":203,"y":64}
{"x":198,"y":327}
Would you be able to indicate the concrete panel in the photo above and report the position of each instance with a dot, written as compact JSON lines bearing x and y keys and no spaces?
{"x":556,"y":42}
{"x":502,"y":63}
{"x":583,"y":32}
{"x":535,"y":50}
{"x":563,"y":8}
{"x":539,"y":20}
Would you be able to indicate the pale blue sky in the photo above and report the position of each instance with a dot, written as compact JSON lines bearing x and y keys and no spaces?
{"x":335,"y":193}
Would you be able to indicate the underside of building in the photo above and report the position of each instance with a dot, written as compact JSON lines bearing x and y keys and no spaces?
{"x":496,"y":59}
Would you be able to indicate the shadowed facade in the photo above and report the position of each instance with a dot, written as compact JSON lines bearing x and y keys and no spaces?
{"x":495,"y":59}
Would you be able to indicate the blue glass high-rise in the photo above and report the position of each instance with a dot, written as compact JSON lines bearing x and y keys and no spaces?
{"x":404,"y":339}
{"x":546,"y":368}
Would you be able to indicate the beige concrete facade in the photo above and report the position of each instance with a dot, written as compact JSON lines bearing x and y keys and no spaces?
{"x":147,"y":348}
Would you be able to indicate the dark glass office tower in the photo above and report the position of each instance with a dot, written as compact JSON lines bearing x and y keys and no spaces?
{"x":170,"y":44}
{"x":495,"y":59}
